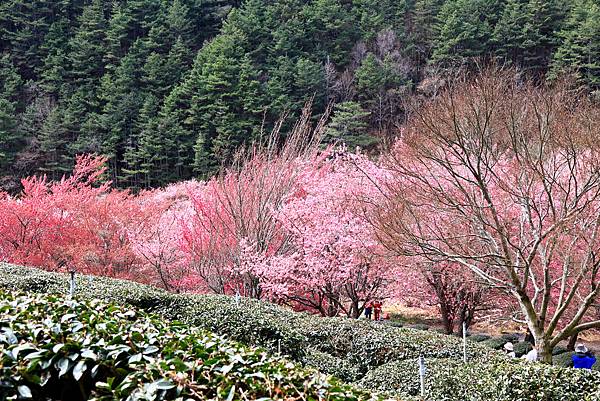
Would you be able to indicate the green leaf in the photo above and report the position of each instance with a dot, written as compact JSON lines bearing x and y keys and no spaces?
{"x":150,"y":350}
{"x":231,"y":393}
{"x":103,"y":386}
{"x":135,"y":358}
{"x":79,"y":370}
{"x":34,"y":355}
{"x":24,"y":392}
{"x":67,"y":317}
{"x":10,"y":336}
{"x":89,"y":354}
{"x":163,"y":384}
{"x":63,"y":365}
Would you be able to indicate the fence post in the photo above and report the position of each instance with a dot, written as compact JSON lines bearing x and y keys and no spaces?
{"x":422,"y":371}
{"x":464,"y":342}
{"x":72,"y":284}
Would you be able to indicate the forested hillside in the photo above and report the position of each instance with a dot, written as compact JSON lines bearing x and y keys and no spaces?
{"x":167,"y":90}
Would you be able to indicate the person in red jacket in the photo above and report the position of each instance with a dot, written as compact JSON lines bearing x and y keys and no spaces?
{"x":377,"y":309}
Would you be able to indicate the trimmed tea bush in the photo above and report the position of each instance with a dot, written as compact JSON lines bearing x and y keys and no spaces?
{"x":56,"y":349}
{"x":372,"y":354}
{"x":402,"y":376}
{"x":559,"y":350}
{"x":419,"y":326}
{"x":331,"y":365}
{"x":502,"y":379}
{"x":495,"y":342}
{"x":564,"y":360}
{"x":498,"y":379}
{"x":522,"y":348}
{"x":361,"y":344}
{"x":479,"y":337}
{"x":511,"y":337}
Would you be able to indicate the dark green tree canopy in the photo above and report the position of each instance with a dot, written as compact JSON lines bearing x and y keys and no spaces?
{"x":168,"y":90}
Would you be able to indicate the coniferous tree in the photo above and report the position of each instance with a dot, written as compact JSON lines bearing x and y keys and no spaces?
{"x":119,"y":77}
{"x":509,"y":33}
{"x":580,"y":49}
{"x":423,"y":28}
{"x":52,"y":140}
{"x":349,"y":125}
{"x":526,"y":34}
{"x":53,"y":73}
{"x":464,"y":30}
{"x":87,"y":47}
{"x":10,"y":88}
{"x":117,"y":36}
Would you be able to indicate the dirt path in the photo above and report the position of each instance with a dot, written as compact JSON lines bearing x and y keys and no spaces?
{"x":410,"y":315}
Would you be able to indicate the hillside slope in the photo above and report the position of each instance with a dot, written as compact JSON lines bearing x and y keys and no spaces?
{"x":169,"y":89}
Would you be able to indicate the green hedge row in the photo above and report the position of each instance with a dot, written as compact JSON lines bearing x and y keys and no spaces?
{"x":375,"y":355}
{"x":318,"y":342}
{"x":56,"y":349}
{"x":496,"y":379}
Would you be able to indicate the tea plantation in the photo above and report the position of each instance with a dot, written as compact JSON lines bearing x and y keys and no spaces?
{"x":376,"y":357}
{"x":60,"y":349}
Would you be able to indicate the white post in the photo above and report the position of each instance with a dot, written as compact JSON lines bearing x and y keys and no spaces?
{"x":464,"y":342}
{"x":72,"y":285}
{"x":279,"y":346}
{"x":422,"y":371}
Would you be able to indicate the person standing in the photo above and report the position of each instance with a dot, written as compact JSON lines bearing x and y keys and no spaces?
{"x":583,"y":358}
{"x":368,"y":310}
{"x":377,"y":309}
{"x":509,"y":349}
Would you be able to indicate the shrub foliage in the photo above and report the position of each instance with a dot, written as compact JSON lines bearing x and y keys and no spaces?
{"x":57,"y":349}
{"x":375,"y":356}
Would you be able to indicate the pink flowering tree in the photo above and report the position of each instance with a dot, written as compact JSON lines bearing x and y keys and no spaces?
{"x":236,"y":212}
{"x":76,"y":223}
{"x":502,"y":178}
{"x":157,"y":239}
{"x":335,"y":263}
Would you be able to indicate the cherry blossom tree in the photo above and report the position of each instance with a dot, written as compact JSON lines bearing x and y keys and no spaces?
{"x":76,"y":223}
{"x":336,"y":264}
{"x":502,"y":178}
{"x":236,"y":210}
{"x":157,"y":239}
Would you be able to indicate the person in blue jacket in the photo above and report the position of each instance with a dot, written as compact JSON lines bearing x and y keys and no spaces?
{"x":583,"y":358}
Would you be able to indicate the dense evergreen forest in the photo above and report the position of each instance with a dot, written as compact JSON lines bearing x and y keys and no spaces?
{"x":168,"y":89}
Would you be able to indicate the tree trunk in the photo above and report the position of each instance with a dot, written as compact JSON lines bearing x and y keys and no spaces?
{"x":355,"y":309}
{"x":446,"y":319}
{"x":572,"y":342}
{"x":529,"y":337}
{"x":544,"y":351}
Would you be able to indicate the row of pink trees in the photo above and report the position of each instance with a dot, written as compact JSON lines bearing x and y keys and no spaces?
{"x":501,"y":178}
{"x":72,"y":223}
{"x":284,"y":224}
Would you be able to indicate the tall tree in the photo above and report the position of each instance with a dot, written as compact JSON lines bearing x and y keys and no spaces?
{"x":503,"y":179}
{"x":87,"y":47}
{"x":526,"y":34}
{"x":465,"y":30}
{"x":349,"y":125}
{"x":580,"y":49}
{"x":10,"y":89}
